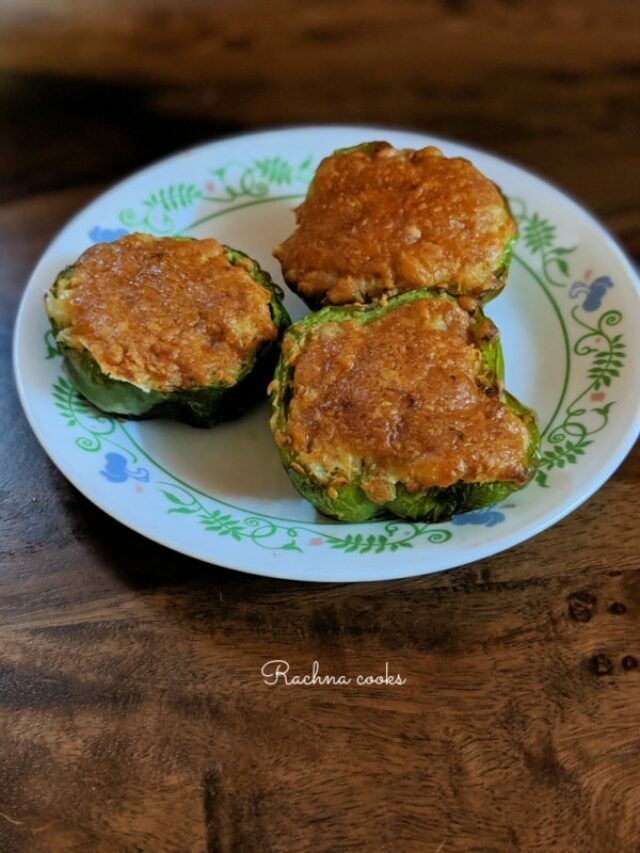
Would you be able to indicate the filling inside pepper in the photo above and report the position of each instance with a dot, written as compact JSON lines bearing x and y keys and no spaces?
{"x":163,"y":313}
{"x":401,"y":397}
{"x":382,"y":220}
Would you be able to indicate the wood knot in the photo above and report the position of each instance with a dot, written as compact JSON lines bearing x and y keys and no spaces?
{"x":581,"y":606}
{"x":617,"y":608}
{"x":601,"y":665}
{"x":629,"y":662}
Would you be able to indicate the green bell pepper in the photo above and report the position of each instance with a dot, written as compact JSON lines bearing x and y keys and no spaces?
{"x":200,"y":406}
{"x":349,"y":502}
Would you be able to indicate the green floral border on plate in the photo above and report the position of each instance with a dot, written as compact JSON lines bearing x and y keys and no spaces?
{"x":572,"y":426}
{"x":237,"y":185}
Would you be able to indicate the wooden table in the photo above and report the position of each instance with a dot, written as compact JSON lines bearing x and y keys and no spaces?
{"x":133,"y":715}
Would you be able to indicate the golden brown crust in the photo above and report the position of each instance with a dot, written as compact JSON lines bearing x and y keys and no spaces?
{"x":393,"y":220}
{"x":163,"y":313}
{"x":398,"y":399}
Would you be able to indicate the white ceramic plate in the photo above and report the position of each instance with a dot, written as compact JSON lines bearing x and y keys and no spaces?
{"x":570,"y":330}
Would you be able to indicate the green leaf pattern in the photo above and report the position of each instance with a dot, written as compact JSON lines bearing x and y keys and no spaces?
{"x":268,"y":534}
{"x":96,"y":429}
{"x":539,"y":236}
{"x":566,"y":440}
{"x":397,"y":535}
{"x":236,"y":181}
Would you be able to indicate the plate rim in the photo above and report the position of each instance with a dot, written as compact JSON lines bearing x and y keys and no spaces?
{"x":409,"y":570}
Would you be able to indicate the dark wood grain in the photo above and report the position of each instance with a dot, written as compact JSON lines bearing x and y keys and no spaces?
{"x":554,"y":84}
{"x":133,"y":715}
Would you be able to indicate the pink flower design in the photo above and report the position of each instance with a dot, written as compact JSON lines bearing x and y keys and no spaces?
{"x":316,"y":540}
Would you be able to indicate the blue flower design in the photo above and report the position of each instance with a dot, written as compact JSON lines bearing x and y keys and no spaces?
{"x":595,"y":292}
{"x":116,"y":470}
{"x":488,"y":517}
{"x":106,"y":235}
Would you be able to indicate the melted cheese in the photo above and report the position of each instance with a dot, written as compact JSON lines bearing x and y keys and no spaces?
{"x":396,"y":220}
{"x":399,"y":399}
{"x":162,"y":313}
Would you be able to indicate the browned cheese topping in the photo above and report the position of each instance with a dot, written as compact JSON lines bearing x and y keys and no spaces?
{"x":396,"y":220}
{"x":398,"y":398}
{"x":163,"y":313}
